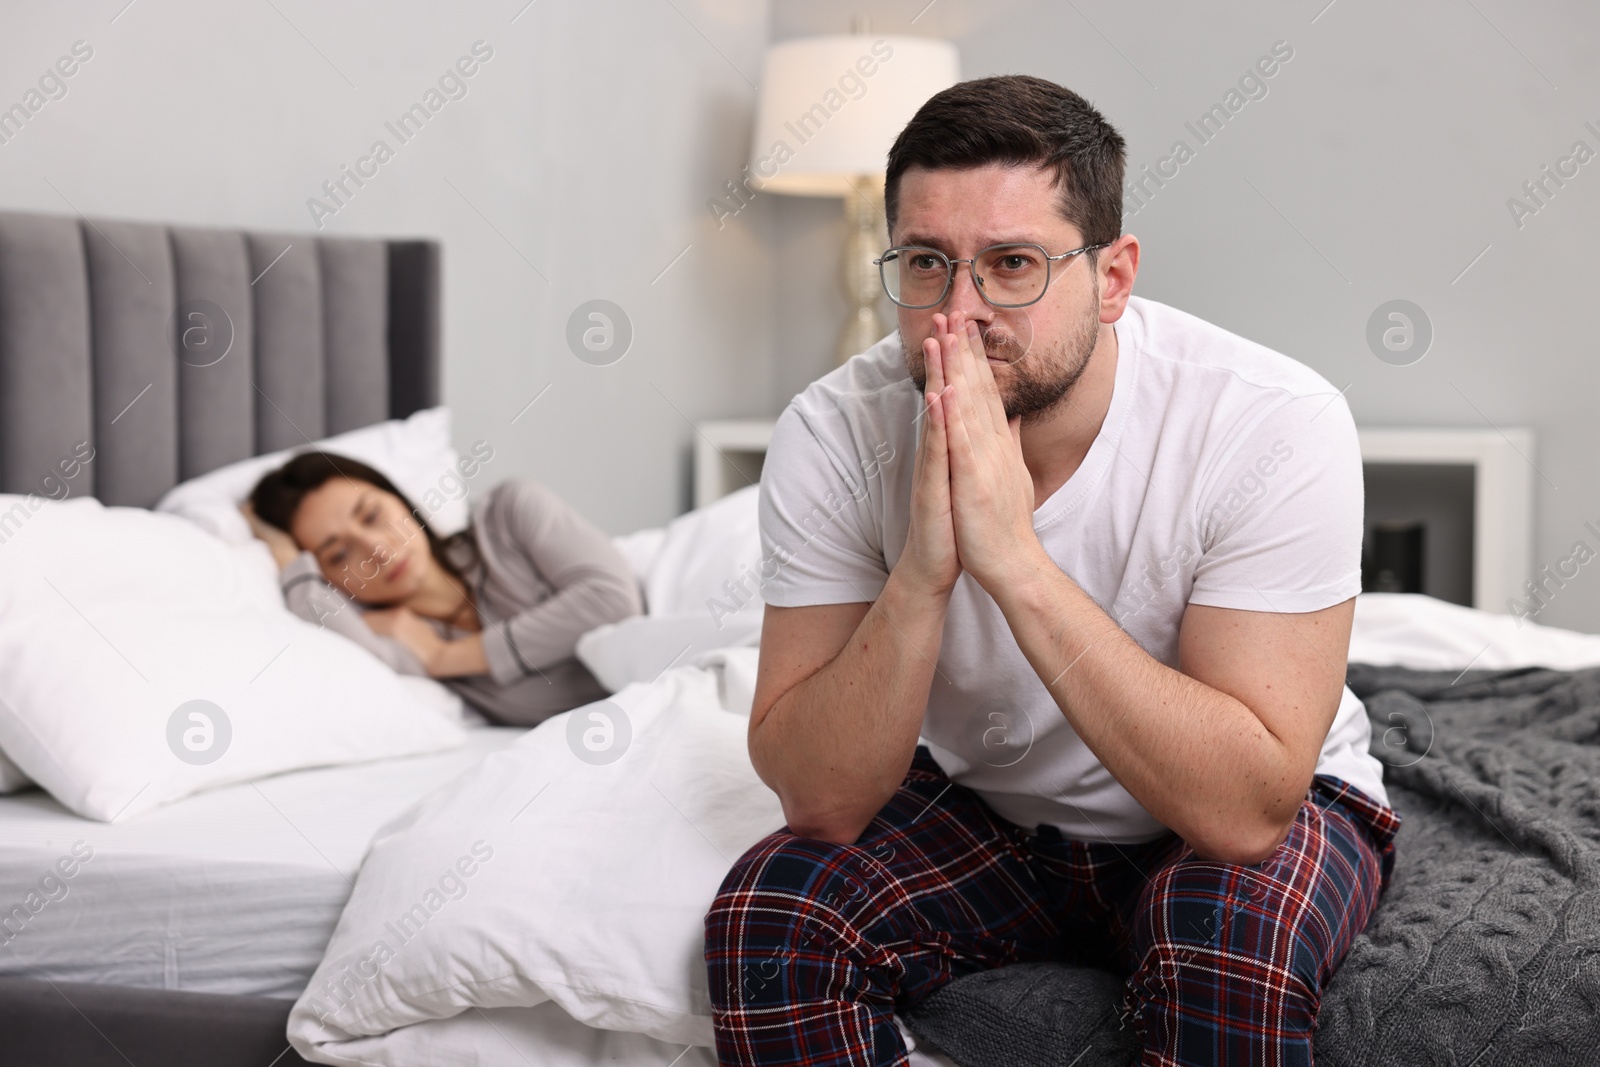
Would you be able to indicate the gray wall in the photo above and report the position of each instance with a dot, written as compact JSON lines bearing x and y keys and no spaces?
{"x":576,"y":167}
{"x":1377,"y":166}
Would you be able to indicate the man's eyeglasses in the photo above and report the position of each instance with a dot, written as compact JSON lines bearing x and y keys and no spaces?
{"x":1007,"y":276}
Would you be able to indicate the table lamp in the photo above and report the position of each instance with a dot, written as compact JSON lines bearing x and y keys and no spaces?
{"x":830,"y":108}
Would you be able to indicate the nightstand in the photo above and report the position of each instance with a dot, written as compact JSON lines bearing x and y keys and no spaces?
{"x":727,"y":456}
{"x":1488,"y":527}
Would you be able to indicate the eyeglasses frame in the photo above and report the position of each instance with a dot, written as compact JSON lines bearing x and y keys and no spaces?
{"x":972,"y":267}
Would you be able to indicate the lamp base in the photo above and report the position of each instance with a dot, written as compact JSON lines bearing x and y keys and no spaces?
{"x":863,"y":328}
{"x":864,"y":237}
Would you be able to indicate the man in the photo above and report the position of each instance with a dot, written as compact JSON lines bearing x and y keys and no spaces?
{"x":1100,"y":556}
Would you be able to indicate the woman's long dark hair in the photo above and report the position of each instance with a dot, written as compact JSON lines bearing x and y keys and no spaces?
{"x":278,"y":495}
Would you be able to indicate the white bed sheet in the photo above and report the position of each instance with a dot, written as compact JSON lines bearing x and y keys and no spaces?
{"x":549,"y":1037}
{"x":232,"y":891}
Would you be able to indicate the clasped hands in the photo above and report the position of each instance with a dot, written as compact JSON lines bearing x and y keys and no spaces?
{"x":972,"y":496}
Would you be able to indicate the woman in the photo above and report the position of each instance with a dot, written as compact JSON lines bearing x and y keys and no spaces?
{"x":494,"y":611}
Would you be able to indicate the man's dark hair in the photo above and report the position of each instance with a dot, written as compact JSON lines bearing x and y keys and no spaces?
{"x":1019,"y":120}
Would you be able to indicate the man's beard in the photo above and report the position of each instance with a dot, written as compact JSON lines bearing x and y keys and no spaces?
{"x":1037,"y":380}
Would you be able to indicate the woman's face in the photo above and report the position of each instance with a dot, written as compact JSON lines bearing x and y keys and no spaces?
{"x":365,"y":539}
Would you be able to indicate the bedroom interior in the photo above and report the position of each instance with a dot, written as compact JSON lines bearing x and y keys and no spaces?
{"x":536,"y":240}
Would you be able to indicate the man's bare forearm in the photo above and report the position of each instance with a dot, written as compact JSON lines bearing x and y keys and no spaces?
{"x":1196,"y":758}
{"x":837,"y":745}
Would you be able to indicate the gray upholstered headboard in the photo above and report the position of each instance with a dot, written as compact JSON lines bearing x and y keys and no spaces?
{"x":175,"y":350}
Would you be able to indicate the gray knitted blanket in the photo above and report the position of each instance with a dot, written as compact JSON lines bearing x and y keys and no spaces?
{"x":1485,"y":948}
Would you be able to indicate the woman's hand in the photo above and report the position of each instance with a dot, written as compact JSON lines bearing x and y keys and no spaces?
{"x":283,"y":547}
{"x":440,"y":657}
{"x":411,"y":630}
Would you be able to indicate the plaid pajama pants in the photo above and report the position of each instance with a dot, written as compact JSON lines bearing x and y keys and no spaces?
{"x":811,"y":946}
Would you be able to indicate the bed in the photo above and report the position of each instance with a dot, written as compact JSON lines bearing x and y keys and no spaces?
{"x":232,"y":891}
{"x":341,"y":335}
{"x":207,"y":929}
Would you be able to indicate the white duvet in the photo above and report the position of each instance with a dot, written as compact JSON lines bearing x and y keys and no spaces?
{"x":550,"y":877}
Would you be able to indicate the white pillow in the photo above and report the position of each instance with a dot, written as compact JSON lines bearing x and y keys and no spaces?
{"x":640,"y":549}
{"x":114,"y":620}
{"x":639,"y":648}
{"x":709,"y":562}
{"x":429,"y":694}
{"x":414,"y":452}
{"x":700,"y":574}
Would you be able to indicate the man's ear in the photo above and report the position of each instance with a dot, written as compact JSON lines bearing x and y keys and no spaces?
{"x":1120,"y":272}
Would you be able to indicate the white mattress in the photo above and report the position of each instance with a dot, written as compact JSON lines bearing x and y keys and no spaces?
{"x":231,"y":891}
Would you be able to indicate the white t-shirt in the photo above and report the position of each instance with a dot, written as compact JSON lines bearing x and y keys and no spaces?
{"x":1225,"y":474}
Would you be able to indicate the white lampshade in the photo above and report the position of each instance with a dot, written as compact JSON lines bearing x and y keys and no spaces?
{"x":832,"y":106}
